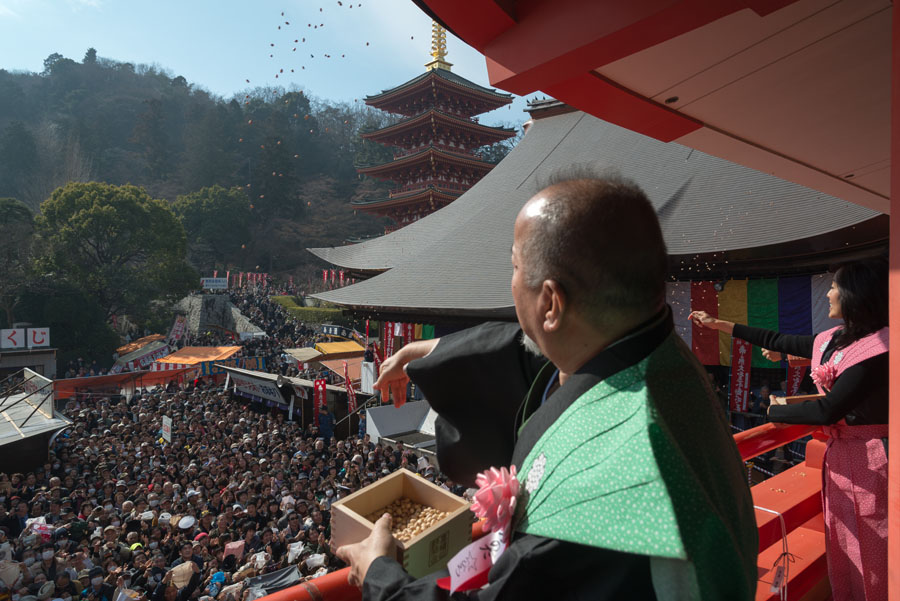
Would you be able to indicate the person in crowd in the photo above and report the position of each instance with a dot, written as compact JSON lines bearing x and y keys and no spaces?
{"x":326,"y":423}
{"x":850,"y":370}
{"x":117,"y":497}
{"x":624,"y":480}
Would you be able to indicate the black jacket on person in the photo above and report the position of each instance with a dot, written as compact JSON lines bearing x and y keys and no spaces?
{"x":859,"y":395}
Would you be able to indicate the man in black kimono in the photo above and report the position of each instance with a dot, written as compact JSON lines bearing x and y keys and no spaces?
{"x":630,"y":484}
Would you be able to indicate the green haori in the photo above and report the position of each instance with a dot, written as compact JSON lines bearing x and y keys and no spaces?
{"x":613,"y":472}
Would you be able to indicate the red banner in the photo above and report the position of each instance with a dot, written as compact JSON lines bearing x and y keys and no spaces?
{"x":319,"y":393}
{"x":377,"y":359}
{"x":325,"y":276}
{"x":241,"y":280}
{"x":351,"y":394}
{"x":333,"y":276}
{"x":794,"y":377}
{"x":342,"y":277}
{"x":367,"y":332}
{"x":409,"y":332}
{"x":741,"y":355}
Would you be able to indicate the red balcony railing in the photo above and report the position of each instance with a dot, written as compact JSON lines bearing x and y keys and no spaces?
{"x":794,"y":494}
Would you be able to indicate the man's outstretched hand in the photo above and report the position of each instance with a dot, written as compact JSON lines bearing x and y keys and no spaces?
{"x":361,"y":555}
{"x":392,"y":376}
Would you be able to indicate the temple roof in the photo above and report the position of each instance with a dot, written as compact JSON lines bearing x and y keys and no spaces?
{"x":426,"y":193}
{"x":498,"y":133}
{"x":430,"y":153}
{"x":424,"y":81}
{"x":456,"y":260}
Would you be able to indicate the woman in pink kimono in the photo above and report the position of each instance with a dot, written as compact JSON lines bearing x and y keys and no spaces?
{"x":850,"y":367}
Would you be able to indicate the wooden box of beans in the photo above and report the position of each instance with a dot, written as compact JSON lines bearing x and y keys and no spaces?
{"x":430,"y":525}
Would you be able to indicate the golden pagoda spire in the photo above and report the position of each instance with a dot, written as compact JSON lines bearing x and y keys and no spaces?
{"x":438,"y":48}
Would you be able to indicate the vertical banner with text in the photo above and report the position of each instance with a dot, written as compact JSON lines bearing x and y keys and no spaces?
{"x":320,"y":391}
{"x":741,"y":355}
{"x":167,"y":428}
{"x":794,"y":377}
{"x":351,"y":394}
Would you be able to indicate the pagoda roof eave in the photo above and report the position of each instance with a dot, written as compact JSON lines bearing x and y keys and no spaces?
{"x":421,"y":156}
{"x":443,"y":76}
{"x":426,"y":194}
{"x":501,"y":133}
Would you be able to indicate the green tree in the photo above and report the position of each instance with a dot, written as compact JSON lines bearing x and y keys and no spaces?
{"x":78,"y":325}
{"x":215,"y":218}
{"x":120,"y":246}
{"x":16,"y":237}
{"x":90,"y":57}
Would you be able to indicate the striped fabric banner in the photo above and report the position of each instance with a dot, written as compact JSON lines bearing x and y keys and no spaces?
{"x":678,"y":295}
{"x":792,"y":305}
{"x":819,"y":286}
{"x":762,"y":312}
{"x":794,"y":310}
{"x":732,"y":307}
{"x":704,"y":342}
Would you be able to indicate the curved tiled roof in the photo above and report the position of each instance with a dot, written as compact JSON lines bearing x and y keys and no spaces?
{"x":500,"y":132}
{"x":456,"y":260}
{"x":443,"y":74}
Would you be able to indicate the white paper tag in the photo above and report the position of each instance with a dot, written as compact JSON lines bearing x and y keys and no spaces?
{"x":475,"y":560}
{"x":778,"y":579}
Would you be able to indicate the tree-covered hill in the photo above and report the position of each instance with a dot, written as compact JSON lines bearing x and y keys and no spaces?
{"x":292,"y":157}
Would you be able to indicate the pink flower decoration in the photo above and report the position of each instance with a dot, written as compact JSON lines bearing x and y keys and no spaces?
{"x":495,"y":500}
{"x":824,"y":376}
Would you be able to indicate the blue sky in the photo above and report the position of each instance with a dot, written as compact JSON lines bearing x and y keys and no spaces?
{"x":219,"y":45}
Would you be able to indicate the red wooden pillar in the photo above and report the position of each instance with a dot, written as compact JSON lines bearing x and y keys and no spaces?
{"x":894,"y":295}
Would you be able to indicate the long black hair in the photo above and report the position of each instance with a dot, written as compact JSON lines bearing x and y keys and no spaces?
{"x":863,"y":291}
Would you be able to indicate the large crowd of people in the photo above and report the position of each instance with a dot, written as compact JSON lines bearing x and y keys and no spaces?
{"x":239,"y":492}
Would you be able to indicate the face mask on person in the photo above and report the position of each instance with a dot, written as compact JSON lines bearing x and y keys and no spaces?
{"x":116,"y":523}
{"x":154,"y":502}
{"x":92,"y":491}
{"x":97,"y":580}
{"x":56,"y":466}
{"x":153,"y":544}
{"x":15,"y":598}
{"x":47,"y":555}
{"x":28,"y":561}
{"x":108,"y":507}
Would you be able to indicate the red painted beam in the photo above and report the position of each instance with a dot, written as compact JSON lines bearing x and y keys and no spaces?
{"x":894,"y":295}
{"x":560,"y":39}
{"x":596,"y":95}
{"x":476,"y":22}
{"x":768,"y":437}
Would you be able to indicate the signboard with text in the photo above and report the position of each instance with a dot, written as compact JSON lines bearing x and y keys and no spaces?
{"x":22,"y":338}
{"x":739,"y":396}
{"x":167,"y":428}
{"x":214,"y":283}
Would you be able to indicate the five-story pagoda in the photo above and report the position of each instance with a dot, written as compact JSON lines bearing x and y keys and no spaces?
{"x":437,"y":140}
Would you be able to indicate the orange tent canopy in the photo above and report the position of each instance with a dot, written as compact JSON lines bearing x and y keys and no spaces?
{"x":64,"y":389}
{"x":192,"y":355}
{"x":139,"y":343}
{"x":354,"y":367}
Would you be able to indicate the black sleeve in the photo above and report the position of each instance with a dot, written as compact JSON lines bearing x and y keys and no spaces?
{"x":861,"y":389}
{"x":802,"y":346}
{"x":158,"y":593}
{"x":475,"y":380}
{"x":532,"y":568}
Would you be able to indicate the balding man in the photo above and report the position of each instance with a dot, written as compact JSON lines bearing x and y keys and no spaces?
{"x":630,"y":484}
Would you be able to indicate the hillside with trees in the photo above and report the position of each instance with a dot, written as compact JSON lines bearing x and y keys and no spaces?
{"x":121,"y":183}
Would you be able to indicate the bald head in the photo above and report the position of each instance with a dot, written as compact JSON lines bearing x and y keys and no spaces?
{"x":599,"y":238}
